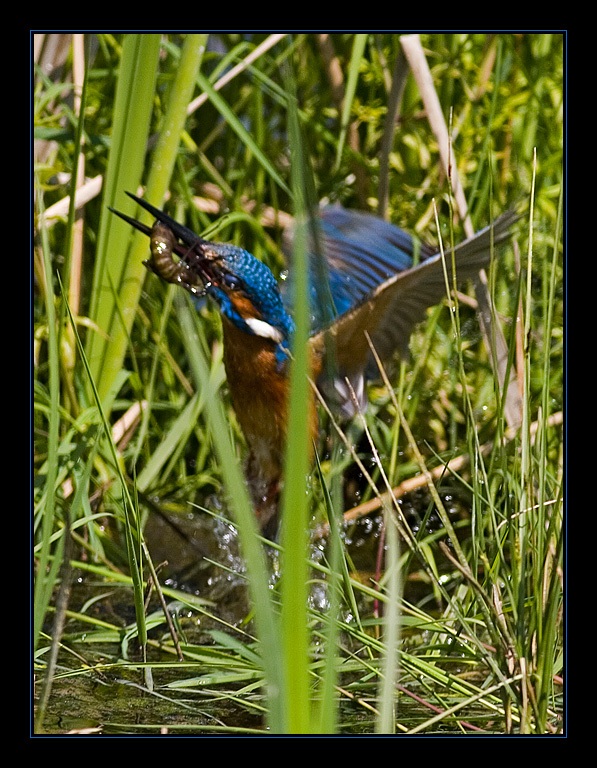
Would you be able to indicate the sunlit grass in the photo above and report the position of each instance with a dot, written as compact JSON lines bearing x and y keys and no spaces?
{"x":478,"y":645}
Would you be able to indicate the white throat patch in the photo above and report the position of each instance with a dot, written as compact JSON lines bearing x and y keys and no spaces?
{"x":263,"y":329}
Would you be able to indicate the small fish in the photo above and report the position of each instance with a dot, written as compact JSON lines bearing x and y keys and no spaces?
{"x":163,"y":244}
{"x":191,"y":271}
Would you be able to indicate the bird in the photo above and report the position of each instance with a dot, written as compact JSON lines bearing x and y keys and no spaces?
{"x":365,"y":290}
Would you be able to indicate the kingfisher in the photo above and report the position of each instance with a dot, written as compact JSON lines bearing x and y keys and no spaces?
{"x":366,"y":291}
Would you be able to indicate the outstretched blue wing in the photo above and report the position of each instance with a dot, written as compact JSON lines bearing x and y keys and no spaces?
{"x":350,"y":255}
{"x":381,"y":281}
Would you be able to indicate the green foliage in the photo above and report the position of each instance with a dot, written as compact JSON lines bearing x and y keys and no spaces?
{"x":132,"y":421}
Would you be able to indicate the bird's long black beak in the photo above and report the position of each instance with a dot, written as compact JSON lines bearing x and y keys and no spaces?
{"x":187,"y":236}
{"x":196,"y":271}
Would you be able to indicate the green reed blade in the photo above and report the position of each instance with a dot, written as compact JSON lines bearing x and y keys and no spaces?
{"x":358,"y":49}
{"x":257,"y":569}
{"x":46,"y":573}
{"x":131,"y":119}
{"x":133,"y":110}
{"x":294,"y":591}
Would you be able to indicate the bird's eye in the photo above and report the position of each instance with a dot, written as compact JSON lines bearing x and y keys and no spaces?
{"x":230,"y":281}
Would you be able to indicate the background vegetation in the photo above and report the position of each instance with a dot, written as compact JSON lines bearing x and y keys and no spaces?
{"x":441,"y":611}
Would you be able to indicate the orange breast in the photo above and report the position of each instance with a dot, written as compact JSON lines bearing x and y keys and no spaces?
{"x":259,"y":393}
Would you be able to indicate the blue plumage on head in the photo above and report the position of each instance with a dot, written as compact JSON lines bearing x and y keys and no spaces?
{"x":241,"y":271}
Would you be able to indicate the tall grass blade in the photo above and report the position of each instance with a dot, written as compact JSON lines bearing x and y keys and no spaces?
{"x":294,"y":589}
{"x":358,"y":48}
{"x":163,"y":160}
{"x":547,"y":582}
{"x":46,"y":567}
{"x":113,"y":270}
{"x":325,"y":711}
{"x":266,"y":620}
{"x":386,"y":722}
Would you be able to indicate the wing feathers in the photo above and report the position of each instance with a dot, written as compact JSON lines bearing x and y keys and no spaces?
{"x":389,"y":311}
